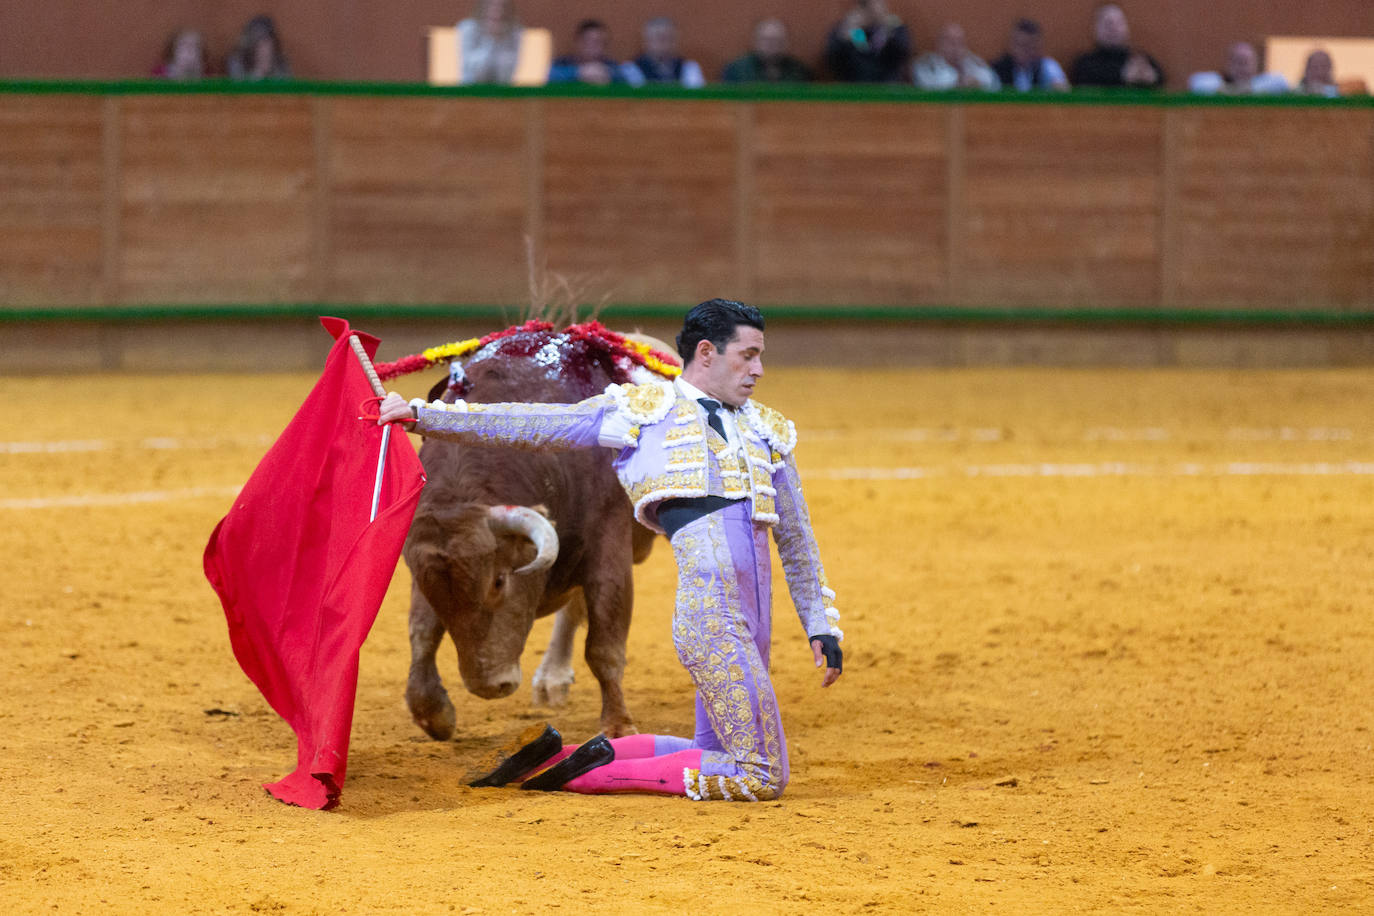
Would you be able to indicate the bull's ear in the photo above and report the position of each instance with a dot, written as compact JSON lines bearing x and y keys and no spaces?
{"x":542,"y":510}
{"x":429,"y":566}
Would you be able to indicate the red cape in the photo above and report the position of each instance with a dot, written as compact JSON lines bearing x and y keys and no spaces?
{"x":301,"y":571}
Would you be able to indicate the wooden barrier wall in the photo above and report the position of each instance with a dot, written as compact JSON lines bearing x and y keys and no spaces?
{"x":185,"y":199}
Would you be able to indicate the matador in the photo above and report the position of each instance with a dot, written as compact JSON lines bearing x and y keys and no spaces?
{"x":711,"y":468}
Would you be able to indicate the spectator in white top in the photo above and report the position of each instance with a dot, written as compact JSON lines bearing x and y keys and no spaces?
{"x":1242,"y":75}
{"x":489,"y":43}
{"x":1319,"y":76}
{"x":1024,"y":67}
{"x":660,"y":62}
{"x":952,"y":65}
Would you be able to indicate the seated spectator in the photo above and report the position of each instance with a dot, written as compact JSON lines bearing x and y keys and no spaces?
{"x":1242,"y":75}
{"x":589,"y":62}
{"x":1025,"y":67}
{"x":1112,"y":61}
{"x":952,"y":65}
{"x":1318,"y":76}
{"x":183,"y":58}
{"x":767,"y":60}
{"x":258,"y":54}
{"x":489,"y":43}
{"x":869,"y":45}
{"x":660,"y":62}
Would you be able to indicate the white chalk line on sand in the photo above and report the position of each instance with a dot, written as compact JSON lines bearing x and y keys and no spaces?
{"x":88,"y":500}
{"x":151,"y":443}
{"x":1094,"y":434}
{"x":1029,"y":470}
{"x":1107,"y":469}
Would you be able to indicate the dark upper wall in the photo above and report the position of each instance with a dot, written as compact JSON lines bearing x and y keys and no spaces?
{"x":382,"y":39}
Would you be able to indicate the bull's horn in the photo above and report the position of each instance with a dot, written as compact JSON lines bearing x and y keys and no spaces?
{"x":524,"y":521}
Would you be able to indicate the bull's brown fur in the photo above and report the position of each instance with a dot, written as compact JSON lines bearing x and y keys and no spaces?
{"x":463,"y":579}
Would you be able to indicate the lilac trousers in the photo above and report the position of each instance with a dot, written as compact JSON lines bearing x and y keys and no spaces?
{"x":722,"y":626}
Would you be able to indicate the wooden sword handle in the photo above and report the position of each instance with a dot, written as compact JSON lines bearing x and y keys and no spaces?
{"x":370,"y":372}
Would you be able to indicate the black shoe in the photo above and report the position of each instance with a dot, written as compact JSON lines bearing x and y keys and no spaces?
{"x":596,"y":752}
{"x":519,"y":757}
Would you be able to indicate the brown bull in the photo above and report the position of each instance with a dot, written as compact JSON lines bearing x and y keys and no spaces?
{"x":504,"y":536}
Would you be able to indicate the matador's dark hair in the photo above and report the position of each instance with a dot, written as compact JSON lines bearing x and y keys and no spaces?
{"x":714,"y":320}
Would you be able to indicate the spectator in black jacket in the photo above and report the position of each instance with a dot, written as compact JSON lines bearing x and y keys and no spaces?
{"x":869,"y":45}
{"x":1025,"y":67}
{"x":767,"y":60}
{"x":1113,"y":62}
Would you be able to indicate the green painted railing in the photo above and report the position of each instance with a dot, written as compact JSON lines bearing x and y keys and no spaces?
{"x":796,"y":92}
{"x":934,"y":314}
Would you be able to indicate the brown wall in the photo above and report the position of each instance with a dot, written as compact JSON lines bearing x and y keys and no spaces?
{"x":247,"y":198}
{"x":382,"y":39}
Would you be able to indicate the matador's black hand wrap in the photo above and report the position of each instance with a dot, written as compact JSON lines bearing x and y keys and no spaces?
{"x":830,"y":648}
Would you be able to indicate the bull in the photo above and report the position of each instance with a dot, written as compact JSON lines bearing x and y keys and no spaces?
{"x":502,"y":537}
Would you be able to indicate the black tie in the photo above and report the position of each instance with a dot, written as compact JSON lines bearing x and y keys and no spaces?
{"x":712,"y":417}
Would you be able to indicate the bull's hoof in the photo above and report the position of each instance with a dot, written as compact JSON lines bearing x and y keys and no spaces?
{"x":435,"y":715}
{"x":618,"y":728}
{"x":552,"y":689}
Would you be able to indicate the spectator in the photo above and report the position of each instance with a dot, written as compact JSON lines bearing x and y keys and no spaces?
{"x":952,"y":65}
{"x":589,"y":62}
{"x":1025,"y":67}
{"x":1242,"y":75}
{"x":660,"y":62}
{"x":489,"y":43}
{"x":869,"y":45}
{"x":258,"y":54}
{"x":1113,"y":62}
{"x":183,"y":58}
{"x":767,"y":60}
{"x":1318,"y":76}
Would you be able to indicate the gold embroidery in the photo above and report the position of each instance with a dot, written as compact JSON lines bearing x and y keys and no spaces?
{"x":646,"y":403}
{"x":779,"y":431}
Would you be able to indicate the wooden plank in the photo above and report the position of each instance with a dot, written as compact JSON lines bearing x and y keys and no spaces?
{"x":216,"y":198}
{"x":956,"y":150}
{"x":1169,"y":260}
{"x":639,"y":198}
{"x":112,"y":162}
{"x":52,"y":168}
{"x":1276,"y":207}
{"x":321,"y":122}
{"x":850,"y":203}
{"x":745,"y":256}
{"x":428,"y":200}
{"x":535,"y":134}
{"x":1061,"y":205}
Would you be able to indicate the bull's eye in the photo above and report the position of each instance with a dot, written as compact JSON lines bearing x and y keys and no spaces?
{"x":500,"y":582}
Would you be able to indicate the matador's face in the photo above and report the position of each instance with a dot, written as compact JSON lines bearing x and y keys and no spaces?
{"x":730,"y":375}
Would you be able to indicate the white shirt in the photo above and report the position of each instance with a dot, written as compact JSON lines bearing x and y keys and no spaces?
{"x":726,"y":415}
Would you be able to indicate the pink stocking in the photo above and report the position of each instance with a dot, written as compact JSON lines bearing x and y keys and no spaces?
{"x":660,"y":775}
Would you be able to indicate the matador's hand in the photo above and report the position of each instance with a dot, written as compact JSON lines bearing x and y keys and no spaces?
{"x":393,"y":408}
{"x":827,"y":649}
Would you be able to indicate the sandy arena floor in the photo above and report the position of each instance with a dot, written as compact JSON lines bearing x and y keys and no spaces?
{"x":1109,"y":648}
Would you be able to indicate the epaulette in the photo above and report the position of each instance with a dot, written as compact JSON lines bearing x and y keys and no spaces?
{"x":646,"y":403}
{"x":779,"y":432}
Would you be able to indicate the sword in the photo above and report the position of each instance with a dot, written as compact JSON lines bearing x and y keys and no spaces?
{"x":379,"y":391}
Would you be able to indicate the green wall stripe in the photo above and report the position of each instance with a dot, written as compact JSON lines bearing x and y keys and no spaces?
{"x":674,"y":311}
{"x":816,"y":92}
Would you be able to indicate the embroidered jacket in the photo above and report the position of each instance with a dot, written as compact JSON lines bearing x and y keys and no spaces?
{"x":664,"y":450}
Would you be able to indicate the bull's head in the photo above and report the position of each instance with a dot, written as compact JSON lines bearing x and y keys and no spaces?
{"x":483,"y":570}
